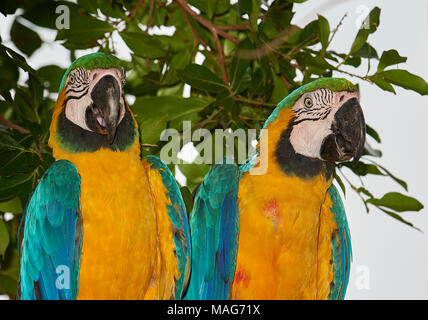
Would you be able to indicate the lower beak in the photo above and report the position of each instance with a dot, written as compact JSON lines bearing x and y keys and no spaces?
{"x":348,"y":134}
{"x":106,"y":99}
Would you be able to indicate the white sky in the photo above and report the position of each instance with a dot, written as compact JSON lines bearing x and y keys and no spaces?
{"x":394,"y":255}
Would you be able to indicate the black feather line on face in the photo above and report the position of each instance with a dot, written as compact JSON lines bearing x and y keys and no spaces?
{"x":76,"y":139}
{"x":293,"y":163}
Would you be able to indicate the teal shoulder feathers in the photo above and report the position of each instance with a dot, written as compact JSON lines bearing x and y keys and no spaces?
{"x":51,"y":241}
{"x":214,"y":224}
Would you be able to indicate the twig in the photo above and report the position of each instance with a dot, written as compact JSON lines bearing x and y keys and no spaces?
{"x":245,"y":121}
{"x":286,"y":83}
{"x":195,"y":33}
{"x":221,"y":57}
{"x":207,"y":24}
{"x":254,"y":102}
{"x":149,"y":20}
{"x":365,"y":78}
{"x":11,"y":125}
{"x":243,"y":26}
{"x":335,"y":29}
{"x":215,"y":31}
{"x":268,"y":46}
{"x":136,"y":8}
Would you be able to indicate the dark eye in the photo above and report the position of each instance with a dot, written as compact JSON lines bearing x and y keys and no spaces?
{"x":308,"y":103}
{"x":71,"y":79}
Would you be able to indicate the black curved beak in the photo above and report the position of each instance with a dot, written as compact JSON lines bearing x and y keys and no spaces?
{"x":348,"y":134}
{"x":106,"y":106}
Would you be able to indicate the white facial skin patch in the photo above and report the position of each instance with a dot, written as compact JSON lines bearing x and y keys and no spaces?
{"x":315,"y":113}
{"x":79,"y":85}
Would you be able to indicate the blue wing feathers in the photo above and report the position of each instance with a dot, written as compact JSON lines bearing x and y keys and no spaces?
{"x":214,"y":227}
{"x":341,"y":247}
{"x":51,"y":235}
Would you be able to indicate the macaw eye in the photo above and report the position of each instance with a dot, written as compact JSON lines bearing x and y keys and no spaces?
{"x":308,"y":103}
{"x":71,"y":79}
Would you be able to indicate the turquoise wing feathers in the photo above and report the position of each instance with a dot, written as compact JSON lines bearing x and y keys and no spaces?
{"x":214,"y":227}
{"x":51,"y":236}
{"x":178,"y":215}
{"x":341,"y":248}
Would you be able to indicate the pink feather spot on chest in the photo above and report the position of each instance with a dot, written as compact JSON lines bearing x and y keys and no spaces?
{"x":270,"y":210}
{"x":241,"y":277}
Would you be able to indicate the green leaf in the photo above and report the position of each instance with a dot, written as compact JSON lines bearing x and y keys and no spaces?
{"x":324,"y":27}
{"x":168,"y":107}
{"x":13,"y":206}
{"x":279,"y":90}
{"x":84,"y":29}
{"x":144,"y":45}
{"x":399,"y":218}
{"x":398,"y":202}
{"x":194,"y":173}
{"x":366,"y":30}
{"x":387,"y":172}
{"x":4,"y":238}
{"x":201,"y":78}
{"x":151,"y":129}
{"x":390,"y":58}
{"x":238,"y":74}
{"x":369,"y":150}
{"x":53,"y":75}
{"x":12,"y":186}
{"x":372,"y":132}
{"x":384,"y":85}
{"x":363,"y":169}
{"x":310,"y":32}
{"x":340,"y":183}
{"x":405,"y":80}
{"x":9,"y":74}
{"x":24,"y":38}
{"x":43,"y":14}
{"x":188,"y":199}
{"x":366,"y":51}
{"x":17,"y":59}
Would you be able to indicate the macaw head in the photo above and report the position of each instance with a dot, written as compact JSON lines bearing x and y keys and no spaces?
{"x":91,"y":112}
{"x":325,"y":122}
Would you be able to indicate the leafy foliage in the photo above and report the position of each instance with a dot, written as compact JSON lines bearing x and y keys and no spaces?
{"x":254,"y":55}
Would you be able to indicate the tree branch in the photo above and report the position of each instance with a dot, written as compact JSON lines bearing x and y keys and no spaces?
{"x":136,"y":8}
{"x":11,"y":125}
{"x":243,"y":26}
{"x":149,"y":20}
{"x":195,"y":33}
{"x":220,"y":57}
{"x":215,"y":31}
{"x":207,"y":24}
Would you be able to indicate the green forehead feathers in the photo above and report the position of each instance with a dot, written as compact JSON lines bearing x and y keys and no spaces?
{"x":92,"y":61}
{"x":334,"y":84}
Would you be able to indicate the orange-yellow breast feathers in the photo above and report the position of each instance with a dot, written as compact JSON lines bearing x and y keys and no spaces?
{"x":284,"y":234}
{"x":127,"y":251}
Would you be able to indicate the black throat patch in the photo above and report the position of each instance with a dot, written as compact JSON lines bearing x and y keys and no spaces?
{"x":76,"y":139}
{"x":293,"y":163}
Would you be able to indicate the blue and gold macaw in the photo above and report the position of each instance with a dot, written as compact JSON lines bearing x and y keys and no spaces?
{"x":102,"y":223}
{"x":282,"y":233}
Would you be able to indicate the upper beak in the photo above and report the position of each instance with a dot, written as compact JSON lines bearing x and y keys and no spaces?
{"x":348,"y":134}
{"x":106,"y":98}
